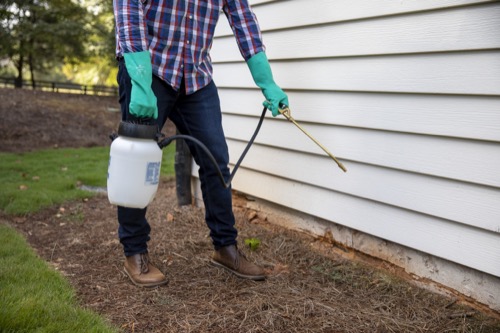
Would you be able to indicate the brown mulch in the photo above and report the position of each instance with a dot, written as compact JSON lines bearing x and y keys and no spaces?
{"x":312,"y":287}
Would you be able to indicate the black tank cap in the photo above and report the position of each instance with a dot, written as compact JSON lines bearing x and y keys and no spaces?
{"x":139,"y":131}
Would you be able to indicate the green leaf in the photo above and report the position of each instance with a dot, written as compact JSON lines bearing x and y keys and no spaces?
{"x":253,"y":243}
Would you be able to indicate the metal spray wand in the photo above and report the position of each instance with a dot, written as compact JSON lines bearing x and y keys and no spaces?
{"x":286,"y":112}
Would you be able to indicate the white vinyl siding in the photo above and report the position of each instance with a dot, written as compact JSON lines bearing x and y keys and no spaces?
{"x":405,"y":93}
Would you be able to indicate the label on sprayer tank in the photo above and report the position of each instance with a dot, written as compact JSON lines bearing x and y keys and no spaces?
{"x":152,"y":173}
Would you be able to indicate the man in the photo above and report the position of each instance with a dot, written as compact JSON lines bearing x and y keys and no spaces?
{"x":165,"y":72}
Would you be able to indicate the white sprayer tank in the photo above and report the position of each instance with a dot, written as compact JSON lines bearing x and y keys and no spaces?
{"x":134,"y":166}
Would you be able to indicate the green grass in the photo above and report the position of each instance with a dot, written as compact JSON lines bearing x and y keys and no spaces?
{"x":33,"y":296}
{"x":36,"y":298}
{"x":35,"y":180}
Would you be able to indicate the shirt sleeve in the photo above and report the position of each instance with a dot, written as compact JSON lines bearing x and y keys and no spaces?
{"x":245,"y":27}
{"x":130,"y":26}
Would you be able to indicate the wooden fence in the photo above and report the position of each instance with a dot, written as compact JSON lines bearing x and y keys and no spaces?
{"x":63,"y":87}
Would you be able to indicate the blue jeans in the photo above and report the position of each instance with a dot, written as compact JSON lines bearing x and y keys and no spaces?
{"x":197,"y":115}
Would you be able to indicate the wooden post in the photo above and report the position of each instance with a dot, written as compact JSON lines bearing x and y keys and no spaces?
{"x":183,"y":173}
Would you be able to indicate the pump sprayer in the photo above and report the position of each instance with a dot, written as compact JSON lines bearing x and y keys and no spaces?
{"x":136,"y":154}
{"x":134,"y":165}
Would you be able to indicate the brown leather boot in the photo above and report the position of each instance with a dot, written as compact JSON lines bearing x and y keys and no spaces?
{"x":233,"y":260}
{"x":142,"y":273}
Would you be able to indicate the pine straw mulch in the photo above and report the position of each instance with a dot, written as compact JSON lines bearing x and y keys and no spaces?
{"x":313,"y":287}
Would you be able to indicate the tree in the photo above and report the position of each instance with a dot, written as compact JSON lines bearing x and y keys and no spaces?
{"x":100,"y":67}
{"x":42,"y":33}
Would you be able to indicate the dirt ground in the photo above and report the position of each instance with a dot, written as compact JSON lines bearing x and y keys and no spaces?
{"x":312,"y":287}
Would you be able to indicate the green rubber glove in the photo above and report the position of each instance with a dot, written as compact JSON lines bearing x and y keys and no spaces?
{"x":263,"y":77}
{"x":142,"y":99}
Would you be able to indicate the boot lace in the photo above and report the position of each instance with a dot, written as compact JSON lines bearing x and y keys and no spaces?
{"x":144,"y":263}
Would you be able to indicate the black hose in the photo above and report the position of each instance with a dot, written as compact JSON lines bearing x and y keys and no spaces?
{"x":165,"y":142}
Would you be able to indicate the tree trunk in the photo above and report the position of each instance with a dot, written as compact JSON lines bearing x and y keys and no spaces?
{"x":18,"y":82}
{"x":32,"y":72}
{"x":31,"y":45}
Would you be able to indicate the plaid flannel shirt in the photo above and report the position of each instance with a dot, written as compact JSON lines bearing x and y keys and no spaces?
{"x":179,"y":34}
